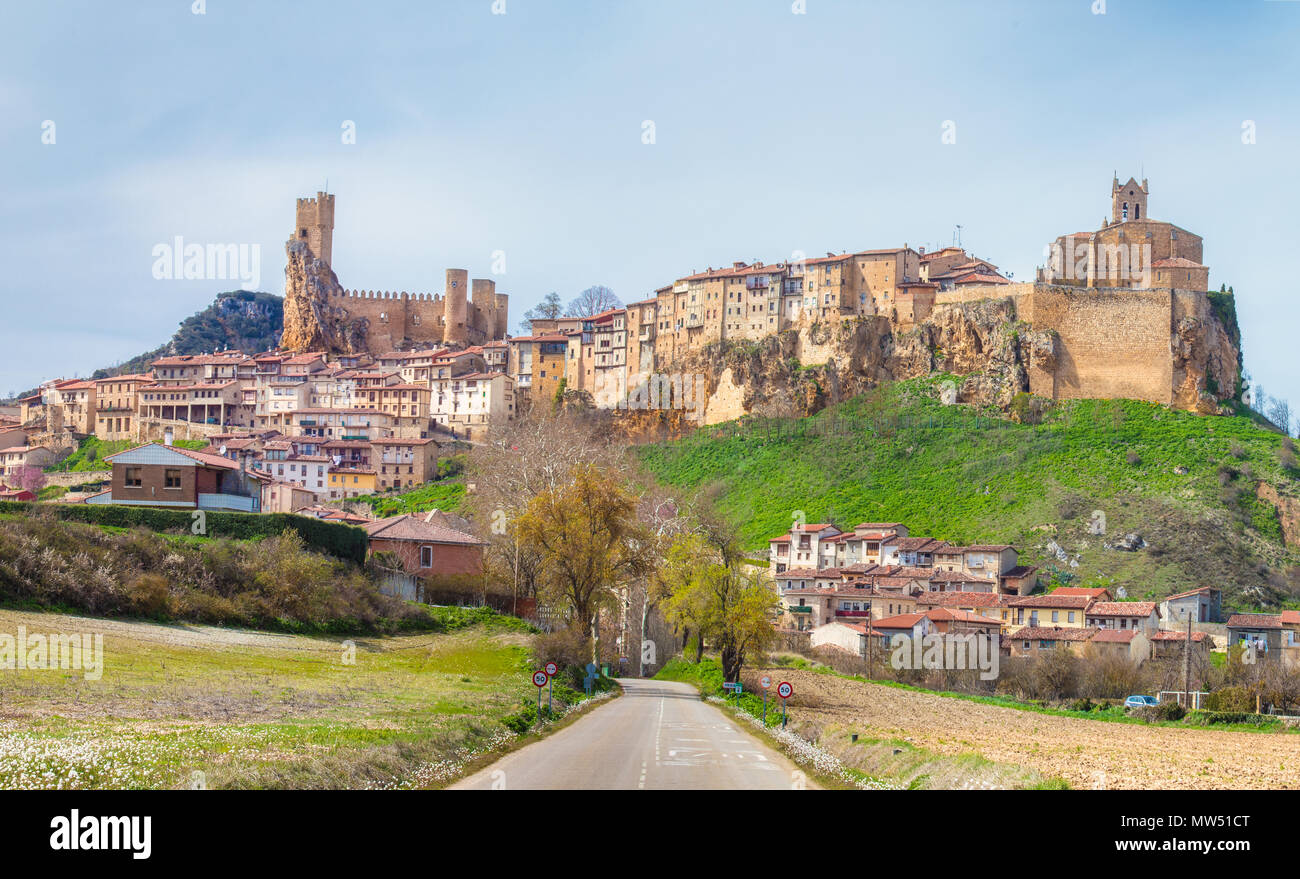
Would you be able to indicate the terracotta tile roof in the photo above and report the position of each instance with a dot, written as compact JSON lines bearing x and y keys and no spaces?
{"x":1163,"y":635}
{"x":798,"y":574}
{"x":1052,"y":633}
{"x":919,"y":544}
{"x":398,"y":441}
{"x":960,"y":616}
{"x":1176,"y":262}
{"x":981,"y":278}
{"x":901,"y":621}
{"x":1122,"y":609}
{"x":1114,"y":636}
{"x":962,"y":599}
{"x":408,"y":527}
{"x":1204,"y":590}
{"x":1255,"y":621}
{"x":1091,"y":592}
{"x":1078,"y":602}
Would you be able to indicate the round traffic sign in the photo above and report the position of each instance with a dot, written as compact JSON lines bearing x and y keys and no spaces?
{"x":551,"y":669}
{"x":766,"y":681}
{"x":784,"y":690}
{"x":539,"y":678}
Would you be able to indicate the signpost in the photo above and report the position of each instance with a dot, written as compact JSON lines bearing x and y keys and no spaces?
{"x":551,"y":670}
{"x":735,"y":689}
{"x":766,"y":681}
{"x":539,"y":681}
{"x":785,"y":691}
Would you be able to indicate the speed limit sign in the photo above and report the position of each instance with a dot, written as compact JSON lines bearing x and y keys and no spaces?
{"x":539,"y":679}
{"x":766,"y":681}
{"x":551,"y":669}
{"x":784,"y":690}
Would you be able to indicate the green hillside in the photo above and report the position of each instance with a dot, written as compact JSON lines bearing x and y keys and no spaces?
{"x":241,"y":319}
{"x":1187,"y":484}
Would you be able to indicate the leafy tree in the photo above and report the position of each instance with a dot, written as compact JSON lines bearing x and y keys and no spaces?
{"x":730,"y":605}
{"x":594,"y":300}
{"x":588,"y":542}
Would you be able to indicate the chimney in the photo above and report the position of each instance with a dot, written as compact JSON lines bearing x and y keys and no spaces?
{"x":168,"y":436}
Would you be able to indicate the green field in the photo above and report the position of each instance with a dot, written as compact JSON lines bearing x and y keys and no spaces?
{"x":1186,"y":483}
{"x":249,"y":709}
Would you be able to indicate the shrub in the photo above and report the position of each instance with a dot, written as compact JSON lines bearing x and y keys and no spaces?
{"x":150,"y":595}
{"x":341,"y":541}
{"x":1133,"y":457}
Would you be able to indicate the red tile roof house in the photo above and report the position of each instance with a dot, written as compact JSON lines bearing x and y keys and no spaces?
{"x":156,"y":475}
{"x":439,"y":562}
{"x":1030,"y":640}
{"x":1171,"y":643}
{"x":1124,"y":615}
{"x":1132,"y":644}
{"x":1204,"y":604}
{"x":1274,"y":634}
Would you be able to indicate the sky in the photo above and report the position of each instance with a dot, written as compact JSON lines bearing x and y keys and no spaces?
{"x":555,"y":145}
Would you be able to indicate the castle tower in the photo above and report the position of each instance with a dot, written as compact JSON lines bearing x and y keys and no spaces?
{"x":455,"y":309}
{"x":503,"y":316}
{"x":1128,"y":201}
{"x":485,"y":304}
{"x":315,"y":225}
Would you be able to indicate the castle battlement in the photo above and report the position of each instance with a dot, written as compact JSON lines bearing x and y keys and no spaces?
{"x":394,"y":318}
{"x":386,"y":294}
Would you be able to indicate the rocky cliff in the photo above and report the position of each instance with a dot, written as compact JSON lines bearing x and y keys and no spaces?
{"x":799,"y":372}
{"x":995,"y":355}
{"x":311,"y":323}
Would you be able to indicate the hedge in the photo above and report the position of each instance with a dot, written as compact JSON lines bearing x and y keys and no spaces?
{"x":346,"y":542}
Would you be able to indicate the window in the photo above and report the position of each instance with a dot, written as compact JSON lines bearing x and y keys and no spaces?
{"x":132,"y":477}
{"x":171,"y":478}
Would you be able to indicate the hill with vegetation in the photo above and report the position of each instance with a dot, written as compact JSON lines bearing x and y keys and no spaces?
{"x":239,"y":319}
{"x":1213,"y":499}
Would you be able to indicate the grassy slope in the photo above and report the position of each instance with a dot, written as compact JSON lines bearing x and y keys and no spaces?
{"x":92,"y":451}
{"x":250,"y":709}
{"x":445,"y":496}
{"x":950,"y":476}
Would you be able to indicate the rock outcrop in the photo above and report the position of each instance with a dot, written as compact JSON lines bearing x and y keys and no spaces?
{"x":311,"y":323}
{"x":981,"y":341}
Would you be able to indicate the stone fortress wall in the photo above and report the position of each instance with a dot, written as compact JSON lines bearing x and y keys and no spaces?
{"x":449,"y":318}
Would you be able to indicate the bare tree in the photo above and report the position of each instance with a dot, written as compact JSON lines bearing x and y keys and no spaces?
{"x":1279,"y":412}
{"x":594,"y":300}
{"x":548,"y":309}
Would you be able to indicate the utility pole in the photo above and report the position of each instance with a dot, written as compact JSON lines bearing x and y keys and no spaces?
{"x":1187,"y":662}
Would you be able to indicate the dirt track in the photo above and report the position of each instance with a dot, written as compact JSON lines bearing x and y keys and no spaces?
{"x":1087,"y":753}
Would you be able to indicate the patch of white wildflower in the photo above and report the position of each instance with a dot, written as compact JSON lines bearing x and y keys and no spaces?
{"x":804,"y":752}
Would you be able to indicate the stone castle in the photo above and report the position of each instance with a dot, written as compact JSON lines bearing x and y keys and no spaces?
{"x":320,"y":315}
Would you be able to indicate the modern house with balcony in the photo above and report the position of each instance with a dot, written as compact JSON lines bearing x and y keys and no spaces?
{"x":158,"y":475}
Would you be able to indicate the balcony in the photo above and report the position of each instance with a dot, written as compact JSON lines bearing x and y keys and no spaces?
{"x":231,"y":502}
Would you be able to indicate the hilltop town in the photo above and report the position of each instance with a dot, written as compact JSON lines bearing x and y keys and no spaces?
{"x":1123,"y":312}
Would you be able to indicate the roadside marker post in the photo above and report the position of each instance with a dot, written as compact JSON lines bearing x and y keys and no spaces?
{"x":551,"y":670}
{"x":539,"y":680}
{"x":785,"y":691}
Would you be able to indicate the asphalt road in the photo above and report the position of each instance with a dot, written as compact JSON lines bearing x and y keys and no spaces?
{"x":658,"y":735}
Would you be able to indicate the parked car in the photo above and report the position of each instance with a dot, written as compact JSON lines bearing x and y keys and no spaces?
{"x":1141,"y":701}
